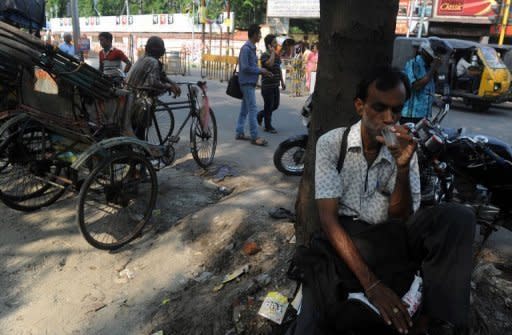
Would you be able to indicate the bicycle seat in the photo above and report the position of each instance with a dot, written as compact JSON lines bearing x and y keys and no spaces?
{"x":201,"y":83}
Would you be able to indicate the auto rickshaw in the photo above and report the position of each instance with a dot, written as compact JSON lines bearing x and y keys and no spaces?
{"x":485,"y":81}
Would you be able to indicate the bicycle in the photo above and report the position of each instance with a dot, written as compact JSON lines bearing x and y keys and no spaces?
{"x":203,"y":128}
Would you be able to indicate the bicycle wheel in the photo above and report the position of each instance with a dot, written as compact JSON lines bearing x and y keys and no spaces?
{"x":6,"y":130}
{"x":29,"y":180}
{"x":162,"y":126}
{"x":117,"y":200}
{"x":203,"y":139}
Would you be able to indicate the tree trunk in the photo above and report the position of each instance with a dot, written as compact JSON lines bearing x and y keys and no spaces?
{"x":354,"y":37}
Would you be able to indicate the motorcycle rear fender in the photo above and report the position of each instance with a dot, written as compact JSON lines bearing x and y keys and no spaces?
{"x":296,"y":138}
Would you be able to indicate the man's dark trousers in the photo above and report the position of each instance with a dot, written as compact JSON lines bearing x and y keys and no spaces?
{"x":271,"y":100}
{"x":441,"y":242}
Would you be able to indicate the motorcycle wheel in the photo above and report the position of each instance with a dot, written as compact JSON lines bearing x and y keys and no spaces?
{"x":289,"y":156}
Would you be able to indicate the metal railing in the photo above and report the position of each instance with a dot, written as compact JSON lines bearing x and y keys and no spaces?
{"x":215,"y":67}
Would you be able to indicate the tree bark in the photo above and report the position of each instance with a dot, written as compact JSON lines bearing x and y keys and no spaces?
{"x":354,"y":37}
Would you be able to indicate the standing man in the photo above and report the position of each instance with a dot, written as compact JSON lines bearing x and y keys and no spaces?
{"x":148,"y":80}
{"x":421,"y":71}
{"x":363,"y":200}
{"x":67,"y":46}
{"x":248,"y":77}
{"x":111,"y":58}
{"x":271,"y":61}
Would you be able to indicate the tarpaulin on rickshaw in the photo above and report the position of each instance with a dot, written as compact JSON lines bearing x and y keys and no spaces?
{"x":29,"y":14}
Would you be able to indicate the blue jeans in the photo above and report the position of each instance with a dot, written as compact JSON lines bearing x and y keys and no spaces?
{"x":248,"y":108}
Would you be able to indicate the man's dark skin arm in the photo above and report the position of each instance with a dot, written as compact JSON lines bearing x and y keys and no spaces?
{"x":127,"y":66}
{"x":381,"y":296}
{"x":400,"y":201}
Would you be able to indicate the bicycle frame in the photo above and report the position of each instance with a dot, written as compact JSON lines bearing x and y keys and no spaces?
{"x":190,"y":104}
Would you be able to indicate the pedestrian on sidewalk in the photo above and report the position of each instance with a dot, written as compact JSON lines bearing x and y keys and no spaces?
{"x":67,"y":46}
{"x":271,"y":61}
{"x":311,"y":64}
{"x":248,"y":77}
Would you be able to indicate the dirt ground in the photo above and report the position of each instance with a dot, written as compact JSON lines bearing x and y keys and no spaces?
{"x":53,"y":282}
{"x":167,"y":281}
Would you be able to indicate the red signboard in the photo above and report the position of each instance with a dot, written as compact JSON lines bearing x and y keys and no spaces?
{"x":465,"y":7}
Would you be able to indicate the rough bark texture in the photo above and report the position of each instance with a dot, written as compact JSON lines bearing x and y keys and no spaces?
{"x":354,"y":37}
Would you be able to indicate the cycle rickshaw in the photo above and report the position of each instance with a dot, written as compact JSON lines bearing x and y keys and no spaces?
{"x":73,"y":142}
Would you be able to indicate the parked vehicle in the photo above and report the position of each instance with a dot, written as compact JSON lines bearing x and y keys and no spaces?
{"x":290,"y":154}
{"x":472,"y":169}
{"x":487,"y":68}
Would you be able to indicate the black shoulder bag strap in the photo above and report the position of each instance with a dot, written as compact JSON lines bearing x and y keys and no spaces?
{"x":343,"y":149}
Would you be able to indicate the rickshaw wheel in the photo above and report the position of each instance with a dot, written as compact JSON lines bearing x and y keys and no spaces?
{"x":29,"y":178}
{"x":203,"y":140}
{"x":117,"y":200}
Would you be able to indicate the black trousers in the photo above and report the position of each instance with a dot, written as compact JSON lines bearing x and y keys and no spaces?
{"x":440,"y":240}
{"x":271,"y":100}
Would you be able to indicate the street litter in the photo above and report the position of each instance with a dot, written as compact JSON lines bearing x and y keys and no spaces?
{"x":127,"y":273}
{"x":251,"y":248}
{"x":274,"y":307}
{"x":232,"y":276}
{"x":203,"y":277}
{"x":297,"y":301}
{"x":263,"y":279}
{"x":225,"y":190}
{"x":223,"y":172}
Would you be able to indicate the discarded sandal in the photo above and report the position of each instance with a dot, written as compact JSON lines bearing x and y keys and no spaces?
{"x":242,"y":137}
{"x":281,"y":213}
{"x":259,"y":141}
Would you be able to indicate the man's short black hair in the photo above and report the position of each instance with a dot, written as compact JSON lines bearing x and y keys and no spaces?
{"x":253,"y":30}
{"x":106,"y":35}
{"x":269,"y":38}
{"x":386,"y":78}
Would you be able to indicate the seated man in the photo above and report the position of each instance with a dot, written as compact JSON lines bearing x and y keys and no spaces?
{"x":376,"y":186}
{"x":469,"y":71}
{"x":149,"y":80}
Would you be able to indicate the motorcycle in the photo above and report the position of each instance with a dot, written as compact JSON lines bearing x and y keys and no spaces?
{"x":471,"y":169}
{"x":290,"y":154}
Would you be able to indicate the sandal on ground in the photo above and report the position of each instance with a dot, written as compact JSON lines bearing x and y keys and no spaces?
{"x":281,"y":213}
{"x":259,"y":141}
{"x":242,"y":137}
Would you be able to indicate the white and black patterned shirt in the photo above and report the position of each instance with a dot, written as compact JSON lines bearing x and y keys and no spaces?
{"x":363,"y":192}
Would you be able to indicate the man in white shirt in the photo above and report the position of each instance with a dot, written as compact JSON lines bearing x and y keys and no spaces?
{"x":378,"y":185}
